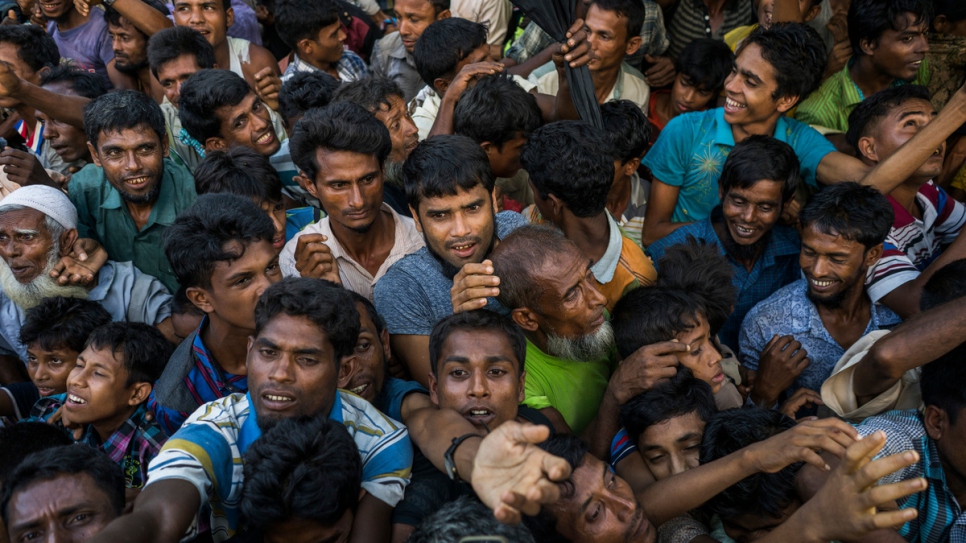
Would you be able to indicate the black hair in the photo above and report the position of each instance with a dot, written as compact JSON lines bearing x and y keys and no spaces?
{"x":60,"y":321}
{"x":947,"y":284}
{"x":478,"y":320}
{"x":868,"y":19}
{"x":866,"y":115}
{"x":178,"y":41}
{"x":67,"y":460}
{"x":142,"y":347}
{"x":370,"y":308}
{"x":202,"y":236}
{"x":439,"y":6}
{"x":304,"y":91}
{"x":34,"y":46}
{"x":706,"y":64}
{"x":572,"y":161}
{"x":761,"y":494}
{"x":372,"y":93}
{"x":518,"y":259}
{"x":205,"y":92}
{"x":119,"y":110}
{"x":626,"y":128}
{"x":954,"y":10}
{"x":466,"y":516}
{"x":698,"y":268}
{"x":941,"y":382}
{"x":496,"y":110}
{"x":297,"y":20}
{"x":572,"y":449}
{"x":113,"y":16}
{"x":797,"y":54}
{"x":306,"y":467}
{"x":633,"y":10}
{"x":327,"y":305}
{"x":673,"y":398}
{"x":650,"y":315}
{"x":337,"y":127}
{"x":443,"y":166}
{"x":81,"y":82}
{"x":758,"y":158}
{"x":18,"y":441}
{"x":855,"y":212}
{"x":443,"y":45}
{"x":239,"y":170}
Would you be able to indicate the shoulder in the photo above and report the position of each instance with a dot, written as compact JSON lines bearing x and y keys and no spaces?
{"x":360,"y":416}
{"x":907,"y":424}
{"x":700,"y":230}
{"x":784,"y":302}
{"x":507,"y":222}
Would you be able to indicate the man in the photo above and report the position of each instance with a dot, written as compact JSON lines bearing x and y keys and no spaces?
{"x":463,"y":518}
{"x":757,"y":183}
{"x":38,"y":225}
{"x":449,"y":188}
{"x":132,"y":192}
{"x":889,"y":45}
{"x":130,"y":47}
{"x":494,"y":14}
{"x":628,"y":134}
{"x":67,"y":141}
{"x":925,"y":233}
{"x":392,"y":56}
{"x":342,"y":150}
{"x":84,"y":39}
{"x":794,"y":338}
{"x":314,"y":31}
{"x":221,"y":250}
{"x":302,"y":92}
{"x":383,"y":98}
{"x":704,"y":19}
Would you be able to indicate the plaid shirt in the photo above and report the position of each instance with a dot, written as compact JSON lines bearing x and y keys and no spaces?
{"x":351,"y":67}
{"x":941,"y":517}
{"x":132,"y":446}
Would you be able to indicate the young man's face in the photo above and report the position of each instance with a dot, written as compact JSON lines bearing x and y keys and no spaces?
{"x":402,"y":129}
{"x":70,"y":508}
{"x":249,"y":123}
{"x":9,"y":54}
{"x":899,"y":53}
{"x":25,"y":243}
{"x":703,"y":359}
{"x":672,"y":446}
{"x":458,"y":229}
{"x":750,"y":89}
{"x":237,"y":284}
{"x":607,"y":35}
{"x":276,"y":212}
{"x":748,"y":528}
{"x":297,"y":530}
{"x":414,"y":16}
{"x":69,"y":142}
{"x":57,"y":10}
{"x":364,"y":371}
{"x":750,"y":213}
{"x":328,"y":45}
{"x":292,"y":370}
{"x":602,"y":508}
{"x":505,"y":159}
{"x":350,"y":187}
{"x":48,"y":370}
{"x":686,"y":96}
{"x":174,"y":73}
{"x":133,"y":162}
{"x":478,"y":376}
{"x":97,"y":390}
{"x":208,"y":17}
{"x":899,"y":126}
{"x":130,"y":47}
{"x":833,"y":265}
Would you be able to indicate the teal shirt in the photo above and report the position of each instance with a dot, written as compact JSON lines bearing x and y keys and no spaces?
{"x":103,"y":216}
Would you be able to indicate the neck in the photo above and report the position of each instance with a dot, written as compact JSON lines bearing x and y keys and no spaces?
{"x":223,"y":55}
{"x":619,"y":196}
{"x":71,"y":19}
{"x":867,"y":77}
{"x":145,"y":76}
{"x":905,"y":194}
{"x":106,"y":428}
{"x":665,"y":109}
{"x":591,"y":235}
{"x":954,"y":480}
{"x":359,"y":246}
{"x":227,"y":344}
{"x":604,"y":82}
{"x":715,"y":6}
{"x":731,"y":246}
{"x":761,"y":128}
{"x":855,"y":306}
{"x":327,"y":67}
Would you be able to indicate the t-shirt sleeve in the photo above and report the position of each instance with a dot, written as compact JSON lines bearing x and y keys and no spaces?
{"x":403,"y":304}
{"x":810,"y":147}
{"x":396,"y":391}
{"x":669,"y":157}
{"x":105,"y":47}
{"x":286,"y":259}
{"x":157,"y":304}
{"x":387,"y":467}
{"x":952,"y":216}
{"x":893,"y":270}
{"x":536,"y":396}
{"x":78,"y":197}
{"x":621,"y":447}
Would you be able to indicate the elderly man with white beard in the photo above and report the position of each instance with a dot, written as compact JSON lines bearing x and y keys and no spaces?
{"x":38,"y":225}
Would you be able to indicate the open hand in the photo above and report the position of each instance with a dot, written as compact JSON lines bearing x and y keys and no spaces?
{"x":800,"y":443}
{"x":661,"y":73}
{"x":645,"y":368}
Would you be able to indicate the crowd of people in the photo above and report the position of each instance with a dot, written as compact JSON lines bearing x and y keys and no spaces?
{"x":322,"y":271}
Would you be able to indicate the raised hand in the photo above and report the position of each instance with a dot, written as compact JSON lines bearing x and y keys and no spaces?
{"x":645,"y":368}
{"x":313,"y":258}
{"x":473,"y":285}
{"x":800,"y":443}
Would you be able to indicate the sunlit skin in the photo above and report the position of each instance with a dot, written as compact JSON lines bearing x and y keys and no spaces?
{"x":68,"y":141}
{"x":414,"y":16}
{"x":10,"y":55}
{"x":899,"y":126}
{"x":48,"y":370}
{"x":402,"y":129}
{"x":750,"y":213}
{"x":607,"y":36}
{"x":326,"y":49}
{"x":68,"y":508}
{"x":98,"y":392}
{"x":570,"y":305}
{"x":459,"y":229}
{"x":25,"y":243}
{"x":247,"y":123}
{"x":672,"y":446}
{"x":896,"y":54}
{"x":174,"y":73}
{"x":208,"y":17}
{"x":237,"y":284}
{"x":130,"y":46}
{"x":750,"y":106}
{"x":832,"y":264}
{"x":349,"y":185}
{"x":132,"y":159}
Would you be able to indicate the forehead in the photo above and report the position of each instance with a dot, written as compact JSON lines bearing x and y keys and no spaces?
{"x":907,"y":22}
{"x":197,"y":3}
{"x":763,"y":191}
{"x":601,"y":19}
{"x":477,"y":345}
{"x":463,"y":197}
{"x":588,"y":479}
{"x":26,"y":218}
{"x":294,"y":333}
{"x":53,"y":496}
{"x":411,"y":6}
{"x":123,"y":26}
{"x":366,"y":324}
{"x":253,"y":256}
{"x":820,"y":241}
{"x":396,"y":107}
{"x":128,"y":138}
{"x":103,"y":357}
{"x":11,"y":53}
{"x":180,"y":66}
{"x":561,"y":271}
{"x":913,"y":106}
{"x":228,"y":112}
{"x":699,"y":329}
{"x":674,"y":428}
{"x":344,"y":165}
{"x":751,"y":61}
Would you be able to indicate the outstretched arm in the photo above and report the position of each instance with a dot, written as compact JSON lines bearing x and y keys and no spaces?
{"x":163,"y":512}
{"x":145,"y":18}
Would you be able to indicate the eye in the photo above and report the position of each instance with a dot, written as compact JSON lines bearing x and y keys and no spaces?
{"x":306,"y":361}
{"x":696,"y":352}
{"x":596,"y":513}
{"x":363,"y":346}
{"x":338,"y":185}
{"x":498,"y":372}
{"x":655,"y":459}
{"x":55,"y":362}
{"x":459,"y":373}
{"x":266,"y":352}
{"x":272,"y":267}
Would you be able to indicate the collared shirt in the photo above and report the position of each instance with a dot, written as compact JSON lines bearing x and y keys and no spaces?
{"x":494,"y":14}
{"x":354,"y":276}
{"x":692,"y":149}
{"x":198,"y":375}
{"x":133,"y":446}
{"x":623,"y":267}
{"x":789,"y":311}
{"x":390,"y":59}
{"x":103,"y":216}
{"x":913,"y":244}
{"x":630,"y":85}
{"x":692,"y":20}
{"x":833,"y":102}
{"x":424,"y":107}
{"x":115,"y":289}
{"x":776,"y":267}
{"x":941,"y":518}
{"x":350,"y":67}
{"x":208,"y":452}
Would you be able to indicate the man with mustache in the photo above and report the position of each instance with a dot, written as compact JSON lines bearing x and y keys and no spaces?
{"x":131,"y":48}
{"x":342,"y":149}
{"x":38,"y":225}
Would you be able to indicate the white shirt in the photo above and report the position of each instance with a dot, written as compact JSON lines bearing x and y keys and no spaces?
{"x":425,"y":106}
{"x":630,"y":86}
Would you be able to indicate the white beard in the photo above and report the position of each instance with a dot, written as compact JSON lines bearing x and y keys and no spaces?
{"x":587,"y":348}
{"x":43,"y":286}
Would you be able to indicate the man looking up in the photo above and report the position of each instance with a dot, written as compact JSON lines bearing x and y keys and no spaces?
{"x":68,"y":142}
{"x":132,"y":192}
{"x":315,"y":33}
{"x":341,"y":149}
{"x":392,"y":56}
{"x":823,"y":315}
{"x":449,"y":187}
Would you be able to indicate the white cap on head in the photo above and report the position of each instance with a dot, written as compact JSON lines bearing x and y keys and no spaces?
{"x":47,"y":200}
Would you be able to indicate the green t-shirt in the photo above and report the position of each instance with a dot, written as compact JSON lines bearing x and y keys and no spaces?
{"x":573,"y":388}
{"x":103,"y":216}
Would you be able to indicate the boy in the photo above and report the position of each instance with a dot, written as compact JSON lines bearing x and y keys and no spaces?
{"x":54,"y":333}
{"x":315,"y":33}
{"x":627,"y":130}
{"x":107,"y":393}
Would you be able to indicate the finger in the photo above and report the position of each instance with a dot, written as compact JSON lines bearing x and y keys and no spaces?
{"x":507,"y":514}
{"x":666,"y":347}
{"x":877,"y":469}
{"x":840,"y":426}
{"x":894,"y":491}
{"x":812,"y":458}
{"x":861,"y":452}
{"x":894,"y":519}
{"x":483,"y":268}
{"x":478,"y":281}
{"x":476,"y":294}
{"x":771,"y":342}
{"x":576,"y":27}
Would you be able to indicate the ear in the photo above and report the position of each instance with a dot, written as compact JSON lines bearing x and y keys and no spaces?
{"x":311,"y":188}
{"x":229,"y":17}
{"x":384,"y":339}
{"x":67,"y":240}
{"x":633,"y":45}
{"x":251,"y":341}
{"x":301,"y":180}
{"x":441,"y":85}
{"x":522,"y":395}
{"x":873,"y":255}
{"x":867,"y":149}
{"x":433,"y":389}
{"x":494,"y":198}
{"x":93,"y":151}
{"x":813,"y":13}
{"x":165,"y":149}
{"x":867,"y":46}
{"x":445,"y":14}
{"x":556,"y":205}
{"x":786,"y":102}
{"x":415,"y":214}
{"x":347,"y":367}
{"x":199,"y":297}
{"x":488,"y":147}
{"x":631,"y":167}
{"x":935,"y":421}
{"x":216,"y":144}
{"x":304,"y":46}
{"x":525,"y":318}
{"x":140,"y":393}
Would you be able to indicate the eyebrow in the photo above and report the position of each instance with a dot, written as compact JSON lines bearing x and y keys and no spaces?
{"x":810,"y":248}
{"x":33,"y":523}
{"x":911,"y":113}
{"x":749,"y":74}
{"x":265,"y":342}
{"x":686,"y":437}
{"x":583,"y":506}
{"x":26,"y":231}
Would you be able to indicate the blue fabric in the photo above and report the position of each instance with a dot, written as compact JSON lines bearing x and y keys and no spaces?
{"x":297,"y":219}
{"x":775,"y":268}
{"x":692,"y":148}
{"x":393,"y":393}
{"x":789,"y":311}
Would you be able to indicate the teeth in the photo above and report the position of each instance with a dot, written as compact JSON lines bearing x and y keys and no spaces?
{"x":479,"y":412}
{"x":744,"y":230}
{"x":75,"y":399}
{"x":821,"y":283}
{"x":278,"y":398}
{"x":137,"y":180}
{"x":265,"y":139}
{"x":731,"y":103}
{"x":358,"y":389}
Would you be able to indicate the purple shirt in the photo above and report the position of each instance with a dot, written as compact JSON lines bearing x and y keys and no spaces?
{"x":88,"y":45}
{"x":245,"y":25}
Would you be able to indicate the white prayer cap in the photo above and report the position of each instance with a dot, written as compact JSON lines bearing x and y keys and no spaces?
{"x":47,"y":200}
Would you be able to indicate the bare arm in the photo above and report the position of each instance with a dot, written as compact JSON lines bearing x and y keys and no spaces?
{"x":65,"y":108}
{"x":531,"y":64}
{"x":145,"y":18}
{"x":371,"y":523}
{"x":660,"y":208}
{"x":414,"y":353}
{"x":633,"y":470}
{"x":162,"y":513}
{"x":432,"y":430}
{"x":12,"y":370}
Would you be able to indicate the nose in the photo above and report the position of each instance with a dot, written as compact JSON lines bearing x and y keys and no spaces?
{"x":922,"y":44}
{"x":50,"y":130}
{"x":409,"y":127}
{"x":819,"y":267}
{"x":259,"y":124}
{"x":42,"y":374}
{"x":279,"y":224}
{"x":678,"y":464}
{"x":356,"y":200}
{"x":197,"y":17}
{"x":731,"y":83}
{"x":282,"y":371}
{"x":478,"y":386}
{"x":689,"y":95}
{"x":264,"y":281}
{"x":460,"y":227}
{"x":595,"y":299}
{"x":342,"y":34}
{"x":133,"y":163}
{"x":624,"y":506}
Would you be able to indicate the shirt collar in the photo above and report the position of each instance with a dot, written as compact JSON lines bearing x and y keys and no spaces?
{"x":250,"y":430}
{"x":400,"y":52}
{"x":116,"y":444}
{"x":724,"y":135}
{"x":604,"y":268}
{"x":163,"y":211}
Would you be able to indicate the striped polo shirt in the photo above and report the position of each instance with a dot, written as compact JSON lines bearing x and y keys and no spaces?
{"x":691,"y":21}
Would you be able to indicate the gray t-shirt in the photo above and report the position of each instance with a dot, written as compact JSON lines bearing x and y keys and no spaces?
{"x":89,"y":45}
{"x":414,"y":294}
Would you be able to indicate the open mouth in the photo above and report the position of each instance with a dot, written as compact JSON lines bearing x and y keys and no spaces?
{"x":46,"y":391}
{"x":47,"y":6}
{"x":820,"y":285}
{"x":733,"y":106}
{"x":464,"y":250}
{"x":479,"y":416}
{"x":743,"y":232}
{"x":137,"y":182}
{"x":360,"y":390}
{"x":266,"y":138}
{"x":75,"y":400}
{"x":276,"y":401}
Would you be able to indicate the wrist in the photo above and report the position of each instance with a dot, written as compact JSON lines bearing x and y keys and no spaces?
{"x":464,"y":455}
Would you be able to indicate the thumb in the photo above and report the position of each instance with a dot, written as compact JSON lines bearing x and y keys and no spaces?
{"x":531,"y":433}
{"x":12,"y":14}
{"x":649,"y":58}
